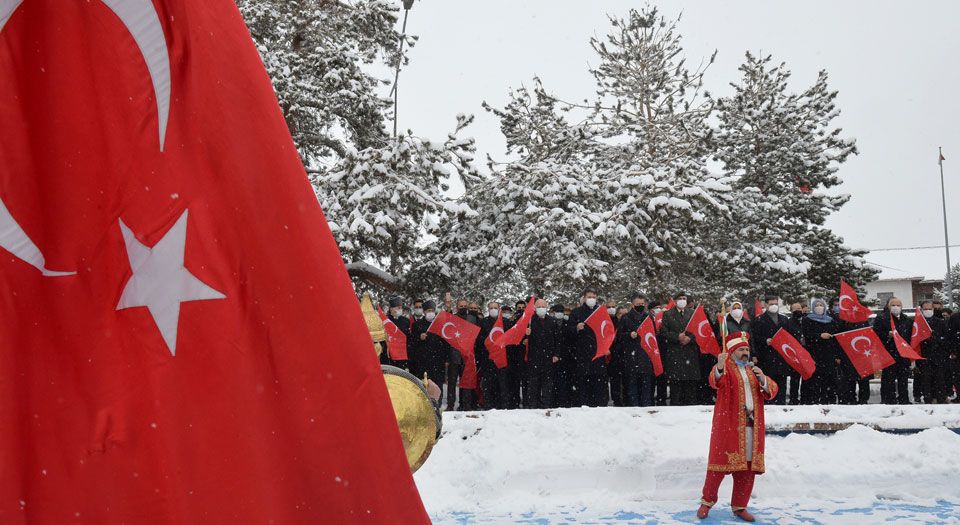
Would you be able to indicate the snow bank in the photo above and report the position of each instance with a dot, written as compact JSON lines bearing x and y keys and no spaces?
{"x":502,"y":462}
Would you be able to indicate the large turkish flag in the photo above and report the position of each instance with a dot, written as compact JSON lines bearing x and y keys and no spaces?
{"x":179,"y":340}
{"x":865,"y":350}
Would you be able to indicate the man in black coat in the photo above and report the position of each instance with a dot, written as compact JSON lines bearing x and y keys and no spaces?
{"x":637,"y":367}
{"x":489,"y":377}
{"x":544,"y":335}
{"x":395,"y":314}
{"x":763,"y":328}
{"x":564,"y":379}
{"x":515,"y":364}
{"x":592,"y":372}
{"x":894,"y":378}
{"x":937,"y":354}
{"x":431,"y":350}
{"x":680,"y":353}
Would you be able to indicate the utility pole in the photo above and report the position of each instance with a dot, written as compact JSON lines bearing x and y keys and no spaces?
{"x":946,"y":238}
{"x":407,"y":4}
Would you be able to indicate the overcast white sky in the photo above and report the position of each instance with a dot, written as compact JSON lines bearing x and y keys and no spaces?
{"x":894,"y":64}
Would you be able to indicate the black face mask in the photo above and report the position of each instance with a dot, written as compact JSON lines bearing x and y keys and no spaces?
{"x":640,"y":307}
{"x":798,"y":314}
{"x":462,"y":311}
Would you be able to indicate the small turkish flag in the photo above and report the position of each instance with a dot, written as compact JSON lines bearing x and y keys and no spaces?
{"x":517,"y":332}
{"x":758,"y":308}
{"x":851,"y":310}
{"x":921,"y":329}
{"x":902,"y":345}
{"x":794,"y":353}
{"x":494,"y":344}
{"x":180,"y":339}
{"x":700,"y":327}
{"x":604,"y":330}
{"x":396,"y":339}
{"x":460,"y":334}
{"x":865,"y":350}
{"x":648,"y":341}
{"x":659,"y":320}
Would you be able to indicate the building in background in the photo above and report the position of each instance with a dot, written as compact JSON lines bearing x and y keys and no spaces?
{"x":910,"y":290}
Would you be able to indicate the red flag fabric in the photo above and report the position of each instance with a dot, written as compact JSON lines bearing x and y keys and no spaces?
{"x":648,"y":341}
{"x":603,"y":328}
{"x":700,"y":327}
{"x":181,"y":339}
{"x":902,"y":345}
{"x":865,"y":350}
{"x":659,"y":320}
{"x":460,"y":334}
{"x":921,"y":329}
{"x":517,"y":332}
{"x":794,"y":353}
{"x":851,"y":310}
{"x":494,"y":344}
{"x":942,"y":158}
{"x":396,"y":339}
{"x":758,"y":308}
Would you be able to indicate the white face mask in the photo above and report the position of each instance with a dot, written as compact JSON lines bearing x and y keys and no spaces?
{"x":430,"y":316}
{"x":819,"y":310}
{"x":612,"y":311}
{"x":737,"y":313}
{"x":558,"y":315}
{"x":493,"y":312}
{"x":681,"y":303}
{"x":773,"y":308}
{"x":395,"y":312}
{"x":590,"y":302}
{"x":541,"y":312}
{"x":418,"y":312}
{"x":895,"y":310}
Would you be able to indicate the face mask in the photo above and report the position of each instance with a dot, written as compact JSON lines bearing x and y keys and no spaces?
{"x":895,"y":310}
{"x":558,"y":315}
{"x":681,"y":304}
{"x":541,"y":312}
{"x":773,"y":308}
{"x":418,"y":312}
{"x":836,"y":309}
{"x":429,"y":316}
{"x":740,"y":363}
{"x":737,"y":313}
{"x":640,"y":307}
{"x":612,"y":311}
{"x":818,"y":310}
{"x":394,"y":312}
{"x":927,"y":313}
{"x":590,"y":302}
{"x":461,"y":311}
{"x":797,"y":314}
{"x":493,"y":312}
{"x":566,"y":317}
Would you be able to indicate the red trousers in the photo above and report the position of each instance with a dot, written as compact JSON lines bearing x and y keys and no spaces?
{"x":742,"y":487}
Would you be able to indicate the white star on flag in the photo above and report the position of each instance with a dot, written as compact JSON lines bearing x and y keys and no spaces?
{"x":160,"y":281}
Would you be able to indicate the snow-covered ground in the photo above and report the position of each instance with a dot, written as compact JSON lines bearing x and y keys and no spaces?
{"x":646,"y":465}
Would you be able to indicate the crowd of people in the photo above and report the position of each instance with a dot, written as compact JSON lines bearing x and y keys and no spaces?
{"x":555,"y":366}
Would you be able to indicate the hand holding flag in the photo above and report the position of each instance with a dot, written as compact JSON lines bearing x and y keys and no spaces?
{"x":793,"y":353}
{"x":603,"y":328}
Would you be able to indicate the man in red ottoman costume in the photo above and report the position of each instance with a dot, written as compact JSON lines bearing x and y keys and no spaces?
{"x":736,"y":440}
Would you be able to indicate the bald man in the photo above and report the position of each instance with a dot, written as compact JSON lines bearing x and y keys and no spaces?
{"x":544,"y":337}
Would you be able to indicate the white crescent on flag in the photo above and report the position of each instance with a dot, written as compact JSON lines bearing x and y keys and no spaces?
{"x":915,"y":331}
{"x":789,"y":351}
{"x":495,"y":330}
{"x":603,"y":328}
{"x":847,"y":297}
{"x":700,"y":328}
{"x":141,"y":20}
{"x":443,"y":330}
{"x":653,"y":345}
{"x":853,"y":344}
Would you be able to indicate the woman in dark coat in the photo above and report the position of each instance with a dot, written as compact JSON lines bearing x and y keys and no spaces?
{"x":818,"y":328}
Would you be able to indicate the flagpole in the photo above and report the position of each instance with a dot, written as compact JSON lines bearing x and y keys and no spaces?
{"x":946,"y":237}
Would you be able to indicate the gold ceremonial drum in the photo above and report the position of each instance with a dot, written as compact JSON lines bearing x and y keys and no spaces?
{"x":418,"y":418}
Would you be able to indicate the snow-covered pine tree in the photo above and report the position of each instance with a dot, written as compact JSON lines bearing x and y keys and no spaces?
{"x":381,"y":195}
{"x":942,"y":294}
{"x":616,"y":187}
{"x":783,"y":153}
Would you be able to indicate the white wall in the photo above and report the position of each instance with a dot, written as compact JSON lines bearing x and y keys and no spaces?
{"x":901,"y":289}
